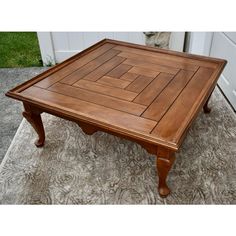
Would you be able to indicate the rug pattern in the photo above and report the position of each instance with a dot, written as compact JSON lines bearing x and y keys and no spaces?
{"x":74,"y":168}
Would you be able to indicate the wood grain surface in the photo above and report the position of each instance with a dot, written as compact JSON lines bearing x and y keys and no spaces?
{"x":149,"y":94}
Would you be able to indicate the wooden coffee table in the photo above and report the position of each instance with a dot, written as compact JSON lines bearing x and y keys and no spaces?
{"x":147,"y":95}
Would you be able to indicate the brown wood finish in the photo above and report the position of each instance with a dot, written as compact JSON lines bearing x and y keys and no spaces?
{"x":206,"y":108}
{"x":129,"y":76}
{"x":104,"y":69}
{"x":33,"y":116}
{"x":74,"y":65}
{"x":147,"y":95}
{"x":87,"y":129}
{"x":106,"y":89}
{"x":119,"y":71}
{"x":164,"y":162}
{"x":92,"y":65}
{"x":139,"y":84}
{"x":168,"y":127}
{"x":150,"y":66}
{"x":163,"y":102}
{"x":100,"y":99}
{"x":93,"y":111}
{"x":144,"y":71}
{"x":111,"y":81}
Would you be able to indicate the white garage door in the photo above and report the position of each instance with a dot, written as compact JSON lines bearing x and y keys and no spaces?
{"x":224,"y":46}
{"x":58,"y":46}
{"x":70,"y":43}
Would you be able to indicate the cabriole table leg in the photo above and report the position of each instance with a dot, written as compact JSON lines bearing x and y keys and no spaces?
{"x":165,"y":160}
{"x":32,"y":115}
{"x":206,"y":108}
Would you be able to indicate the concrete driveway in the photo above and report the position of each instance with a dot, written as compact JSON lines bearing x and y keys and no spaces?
{"x":10,"y":110}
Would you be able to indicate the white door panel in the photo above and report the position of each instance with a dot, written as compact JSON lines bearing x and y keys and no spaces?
{"x":224,"y":47}
{"x":66,"y":44}
{"x":231,"y":36}
{"x":74,"y":43}
{"x":58,"y":46}
{"x":227,"y":89}
{"x":60,"y":41}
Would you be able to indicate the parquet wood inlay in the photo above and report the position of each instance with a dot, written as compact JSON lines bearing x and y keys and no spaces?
{"x":150,"y":96}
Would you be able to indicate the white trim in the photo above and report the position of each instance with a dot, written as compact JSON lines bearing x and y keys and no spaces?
{"x":177,"y":41}
{"x":200,"y":43}
{"x":63,"y":55}
{"x":46,"y":48}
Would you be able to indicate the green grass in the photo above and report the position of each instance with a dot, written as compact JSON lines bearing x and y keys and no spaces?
{"x":19,"y":49}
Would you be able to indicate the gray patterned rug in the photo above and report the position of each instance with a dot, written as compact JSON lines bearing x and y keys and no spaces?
{"x":74,"y":168}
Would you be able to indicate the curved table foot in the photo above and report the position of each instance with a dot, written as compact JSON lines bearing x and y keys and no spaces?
{"x":165,"y":160}
{"x":206,"y":108}
{"x":34,"y":118}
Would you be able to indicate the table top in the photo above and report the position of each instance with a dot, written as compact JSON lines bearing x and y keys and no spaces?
{"x":146,"y":93}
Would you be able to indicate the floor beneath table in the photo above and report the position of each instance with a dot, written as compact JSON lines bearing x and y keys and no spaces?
{"x":10,"y":110}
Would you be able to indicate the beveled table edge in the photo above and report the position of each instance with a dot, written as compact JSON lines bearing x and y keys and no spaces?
{"x":106,"y":127}
{"x":167,"y":51}
{"x":15,"y":93}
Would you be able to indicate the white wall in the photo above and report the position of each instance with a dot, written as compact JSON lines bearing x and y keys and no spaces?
{"x":221,"y":45}
{"x":177,"y":41}
{"x":200,"y":43}
{"x":58,"y":46}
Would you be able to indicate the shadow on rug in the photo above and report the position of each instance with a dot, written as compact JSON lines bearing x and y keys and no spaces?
{"x":74,"y":168}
